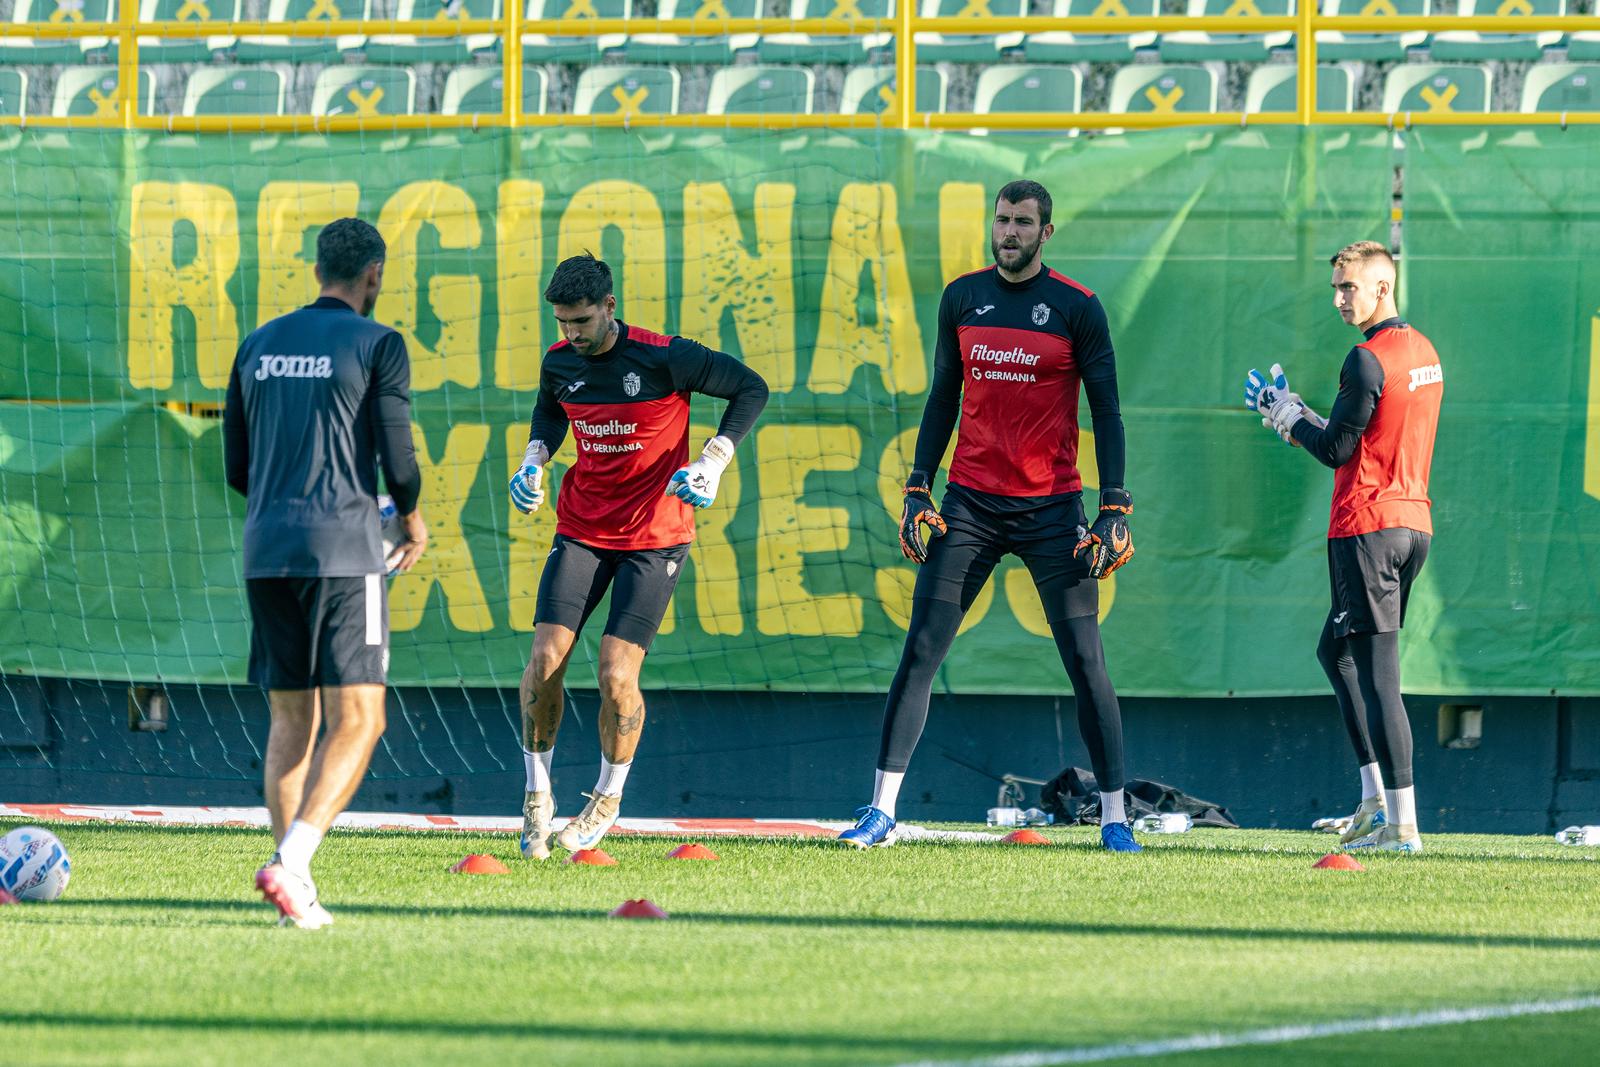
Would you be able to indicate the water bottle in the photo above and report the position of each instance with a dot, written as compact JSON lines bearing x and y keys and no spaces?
{"x":1038,"y":817}
{"x":1579,"y":835}
{"x":1164,"y":822}
{"x":1005,"y":817}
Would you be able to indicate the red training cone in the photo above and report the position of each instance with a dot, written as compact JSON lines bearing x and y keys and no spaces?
{"x":478,"y":863}
{"x":694,"y":850}
{"x":1025,"y":837}
{"x":593,"y":857}
{"x":1338,"y":861}
{"x":637,"y":909}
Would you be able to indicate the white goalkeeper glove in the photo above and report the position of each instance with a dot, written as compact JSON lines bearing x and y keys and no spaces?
{"x":527,"y":485}
{"x":696,"y":484}
{"x":1278,"y":407}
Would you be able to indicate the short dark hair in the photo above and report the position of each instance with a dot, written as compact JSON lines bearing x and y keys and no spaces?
{"x":346,"y":247}
{"x":1023,"y":189}
{"x":578,"y":281}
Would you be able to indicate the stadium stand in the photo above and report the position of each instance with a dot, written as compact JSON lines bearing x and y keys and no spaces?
{"x":818,"y":49}
{"x":186,"y":49}
{"x":234,"y":91}
{"x":1062,"y":46}
{"x":968,"y":48}
{"x":1436,"y":87}
{"x":541,"y":48}
{"x":1198,"y":46}
{"x":1468,"y":45}
{"x":761,"y":90}
{"x":481,"y":90}
{"x":22,"y":50}
{"x":304,"y":49}
{"x":1562,"y":87}
{"x":632,"y":90}
{"x":364,"y":91}
{"x":1274,"y":87}
{"x":84,"y":91}
{"x":871,"y":90}
{"x":13,"y":92}
{"x":405,"y":48}
{"x":1164,"y":88}
{"x":1053,"y":88}
{"x":1334,"y":44}
{"x":671,"y":48}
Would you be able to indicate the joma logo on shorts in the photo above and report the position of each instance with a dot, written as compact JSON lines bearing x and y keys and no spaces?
{"x":1430,"y":375}
{"x":294,"y":367}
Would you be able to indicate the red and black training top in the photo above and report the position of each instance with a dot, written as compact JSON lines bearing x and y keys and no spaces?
{"x":629,"y":413}
{"x":1009,"y":359}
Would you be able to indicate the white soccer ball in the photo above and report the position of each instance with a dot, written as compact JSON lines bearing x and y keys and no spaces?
{"x":394,"y":531}
{"x":33,"y":864}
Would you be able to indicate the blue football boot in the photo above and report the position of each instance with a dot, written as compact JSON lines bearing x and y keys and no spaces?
{"x":872,"y":828}
{"x":1118,"y":837}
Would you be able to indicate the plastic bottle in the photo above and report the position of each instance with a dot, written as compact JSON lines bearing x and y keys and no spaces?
{"x":1579,"y":835}
{"x":1164,"y":822}
{"x":1005,"y":817}
{"x":1038,"y":817}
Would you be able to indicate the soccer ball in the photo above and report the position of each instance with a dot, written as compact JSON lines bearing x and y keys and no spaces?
{"x":33,"y":864}
{"x":394,"y":531}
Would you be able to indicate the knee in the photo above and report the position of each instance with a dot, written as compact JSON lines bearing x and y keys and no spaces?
{"x":544,"y":666}
{"x":618,"y":682}
{"x":1328,"y":652}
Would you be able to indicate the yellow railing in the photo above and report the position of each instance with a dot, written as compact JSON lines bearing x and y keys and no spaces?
{"x":905,"y":26}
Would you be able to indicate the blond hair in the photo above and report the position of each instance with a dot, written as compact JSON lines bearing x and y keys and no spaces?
{"x":1360,"y":253}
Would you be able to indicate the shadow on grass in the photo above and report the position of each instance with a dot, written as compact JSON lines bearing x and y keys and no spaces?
{"x":251,"y":914}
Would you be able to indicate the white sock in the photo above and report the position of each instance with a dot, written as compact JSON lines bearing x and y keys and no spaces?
{"x":612,"y":775}
{"x":1111,"y":809}
{"x":538,"y":767}
{"x":299,"y":844}
{"x":886,"y":790}
{"x":1371,"y":782}
{"x":1403,"y":806}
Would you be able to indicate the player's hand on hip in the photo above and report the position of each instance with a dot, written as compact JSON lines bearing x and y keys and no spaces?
{"x":406,"y":554}
{"x":919,"y":510}
{"x":696,"y":484}
{"x":527,"y":485}
{"x":1108,"y":544}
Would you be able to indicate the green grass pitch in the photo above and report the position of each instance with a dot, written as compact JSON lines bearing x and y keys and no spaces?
{"x":792,"y":951}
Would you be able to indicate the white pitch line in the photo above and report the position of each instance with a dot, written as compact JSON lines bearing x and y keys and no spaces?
{"x":1272,"y":1035}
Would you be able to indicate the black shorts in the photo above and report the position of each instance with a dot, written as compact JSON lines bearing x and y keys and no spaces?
{"x":576,"y":576}
{"x":1044,"y":531}
{"x":1370,"y":577}
{"x":311,"y":632}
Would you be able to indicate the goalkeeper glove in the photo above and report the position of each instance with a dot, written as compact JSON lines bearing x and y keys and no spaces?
{"x":1279,"y":408}
{"x":919,"y":509}
{"x":696,"y":484}
{"x":1108,"y":544}
{"x":527,"y":491}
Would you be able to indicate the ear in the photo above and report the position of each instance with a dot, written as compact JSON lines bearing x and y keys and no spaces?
{"x":375,"y":274}
{"x":1049,"y":229}
{"x":611,"y":303}
{"x":316,"y":270}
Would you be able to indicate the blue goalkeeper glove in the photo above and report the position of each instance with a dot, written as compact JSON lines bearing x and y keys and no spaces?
{"x":527,"y":485}
{"x":1278,"y":407}
{"x":696,"y":484}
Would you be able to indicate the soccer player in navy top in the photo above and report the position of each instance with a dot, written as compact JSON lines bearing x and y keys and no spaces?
{"x":316,"y":399}
{"x":624,"y":519}
{"x":1015,"y":342}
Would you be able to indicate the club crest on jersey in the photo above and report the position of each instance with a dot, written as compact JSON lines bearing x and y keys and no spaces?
{"x":630,"y":384}
{"x":1041,"y":314}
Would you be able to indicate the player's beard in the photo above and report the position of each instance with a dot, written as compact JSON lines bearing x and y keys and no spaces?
{"x":1027,"y":254}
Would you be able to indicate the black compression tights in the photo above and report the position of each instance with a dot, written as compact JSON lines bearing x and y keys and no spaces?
{"x":1365,"y":672}
{"x":933,"y":630}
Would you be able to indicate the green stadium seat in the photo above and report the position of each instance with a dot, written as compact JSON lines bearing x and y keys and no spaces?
{"x":761,"y":91}
{"x":1423,"y":87}
{"x":13,"y":93}
{"x":870,"y":91}
{"x":968,"y":48}
{"x":61,"y":51}
{"x":671,"y":48}
{"x":805,"y":48}
{"x":1583,"y":46}
{"x":634,"y":90}
{"x":1024,"y":88}
{"x":1334,"y":45}
{"x":304,"y":49}
{"x":406,"y":48}
{"x":1474,"y":47}
{"x":1561,"y":87}
{"x":93,"y":91}
{"x":481,"y":91}
{"x":234,"y":91}
{"x":1275,"y":87}
{"x":1059,"y":46}
{"x":364,"y":91}
{"x":540,"y":48}
{"x":185,"y":49}
{"x":1195,"y":46}
{"x":1163,"y":88}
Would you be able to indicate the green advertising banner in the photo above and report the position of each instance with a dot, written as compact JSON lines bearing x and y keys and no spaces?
{"x":133,"y":265}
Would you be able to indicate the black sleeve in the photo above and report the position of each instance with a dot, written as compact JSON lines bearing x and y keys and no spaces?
{"x":549,"y":422}
{"x":944,"y":395}
{"x":1097,"y":365}
{"x":1360,"y":386}
{"x":391,"y":399}
{"x":235,"y":436}
{"x":698,"y":369}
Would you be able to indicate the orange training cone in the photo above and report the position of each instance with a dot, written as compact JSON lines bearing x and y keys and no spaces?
{"x":593,"y":857}
{"x":1338,"y":861}
{"x":6,"y":897}
{"x":478,"y":863}
{"x":637,"y":909}
{"x":1025,"y":837}
{"x":694,"y":850}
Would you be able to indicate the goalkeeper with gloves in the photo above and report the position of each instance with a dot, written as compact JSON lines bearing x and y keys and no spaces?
{"x":624,"y":519}
{"x":1378,"y":438}
{"x":1015,"y":342}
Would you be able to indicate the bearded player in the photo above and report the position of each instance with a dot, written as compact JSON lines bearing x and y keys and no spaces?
{"x":1015,"y":342}
{"x":1379,"y":440}
{"x":623,"y":522}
